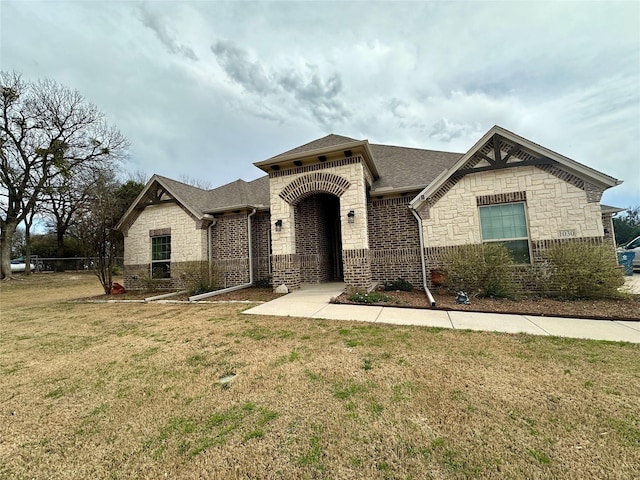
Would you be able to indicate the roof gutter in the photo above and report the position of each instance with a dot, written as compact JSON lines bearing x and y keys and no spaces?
{"x":432,"y":301}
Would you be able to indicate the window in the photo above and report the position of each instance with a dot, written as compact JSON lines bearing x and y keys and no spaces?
{"x":161,"y":256}
{"x":507,"y":224}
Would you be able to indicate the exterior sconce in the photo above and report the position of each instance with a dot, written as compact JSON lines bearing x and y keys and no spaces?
{"x":351,"y":216}
{"x":278,"y":225}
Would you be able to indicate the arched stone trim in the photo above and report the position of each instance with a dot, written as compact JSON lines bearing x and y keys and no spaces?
{"x":312,"y":183}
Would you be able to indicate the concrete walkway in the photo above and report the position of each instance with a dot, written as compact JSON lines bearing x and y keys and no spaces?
{"x":312,"y":301}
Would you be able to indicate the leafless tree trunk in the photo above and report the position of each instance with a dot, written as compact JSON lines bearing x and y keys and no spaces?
{"x":46,"y":131}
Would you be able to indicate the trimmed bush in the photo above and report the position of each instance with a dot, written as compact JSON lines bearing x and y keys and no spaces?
{"x":398,"y":284}
{"x":373,"y":297}
{"x":264,"y":282}
{"x":484,"y":270}
{"x":579,"y":270}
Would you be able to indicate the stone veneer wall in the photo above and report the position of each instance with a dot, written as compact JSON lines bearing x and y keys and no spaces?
{"x":552,"y":205}
{"x":188,"y":247}
{"x":394,"y":241}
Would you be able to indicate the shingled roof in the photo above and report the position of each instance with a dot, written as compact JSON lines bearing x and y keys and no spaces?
{"x":330,"y":140}
{"x":402,"y":167}
{"x":398,"y":167}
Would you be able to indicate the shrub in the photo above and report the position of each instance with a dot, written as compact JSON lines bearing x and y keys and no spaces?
{"x":398,"y":284}
{"x":373,"y":297}
{"x":263,"y":282}
{"x":579,"y":270}
{"x":484,"y":270}
{"x":196,"y":278}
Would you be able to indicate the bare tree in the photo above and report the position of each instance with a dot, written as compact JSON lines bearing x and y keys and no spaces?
{"x":46,"y":131}
{"x":200,"y":183}
{"x":66,"y":197}
{"x":109,"y":199}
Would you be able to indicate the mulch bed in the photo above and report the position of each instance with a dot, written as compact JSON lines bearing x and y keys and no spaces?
{"x":625,"y":308}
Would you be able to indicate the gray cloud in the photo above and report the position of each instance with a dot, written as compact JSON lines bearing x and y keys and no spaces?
{"x":284,"y":76}
{"x":309,"y":92}
{"x":239,"y":66}
{"x":157,"y":25}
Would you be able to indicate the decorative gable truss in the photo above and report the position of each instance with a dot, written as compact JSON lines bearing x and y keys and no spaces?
{"x":155,"y":193}
{"x":499,"y":149}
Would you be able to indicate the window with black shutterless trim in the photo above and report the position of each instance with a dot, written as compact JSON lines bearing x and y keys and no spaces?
{"x":507,"y":224}
{"x":161,"y":256}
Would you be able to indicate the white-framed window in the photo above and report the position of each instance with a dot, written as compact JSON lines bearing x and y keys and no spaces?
{"x":506,"y":223}
{"x":161,"y":256}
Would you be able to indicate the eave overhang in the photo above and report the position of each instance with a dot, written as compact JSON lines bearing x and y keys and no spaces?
{"x":237,"y":208}
{"x":334,"y":152}
{"x":138,"y":203}
{"x":545,"y":156}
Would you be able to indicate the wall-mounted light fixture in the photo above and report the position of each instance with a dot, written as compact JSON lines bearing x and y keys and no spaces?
{"x":278,"y":225}
{"x":351,"y":216}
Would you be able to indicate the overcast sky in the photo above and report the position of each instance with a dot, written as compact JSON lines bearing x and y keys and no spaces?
{"x":203,"y":89}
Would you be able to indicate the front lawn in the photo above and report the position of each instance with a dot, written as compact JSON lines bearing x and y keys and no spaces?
{"x":132,"y":390}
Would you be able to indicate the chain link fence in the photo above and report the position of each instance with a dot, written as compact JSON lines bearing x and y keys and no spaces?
{"x":69,"y":264}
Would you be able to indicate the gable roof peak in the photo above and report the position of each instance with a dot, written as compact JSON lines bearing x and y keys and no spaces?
{"x":330,"y":140}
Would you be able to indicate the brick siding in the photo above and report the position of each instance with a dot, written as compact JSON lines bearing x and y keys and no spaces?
{"x":393,"y":240}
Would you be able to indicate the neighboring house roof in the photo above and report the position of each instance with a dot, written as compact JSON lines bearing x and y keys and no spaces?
{"x":610,"y":209}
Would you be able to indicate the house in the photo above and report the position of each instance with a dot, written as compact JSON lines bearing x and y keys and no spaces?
{"x":341,"y":208}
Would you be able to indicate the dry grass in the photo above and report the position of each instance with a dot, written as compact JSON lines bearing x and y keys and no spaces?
{"x":131,"y":391}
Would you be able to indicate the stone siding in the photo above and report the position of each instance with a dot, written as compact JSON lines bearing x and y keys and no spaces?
{"x":183,"y":274}
{"x":188,"y":243}
{"x":552,"y":206}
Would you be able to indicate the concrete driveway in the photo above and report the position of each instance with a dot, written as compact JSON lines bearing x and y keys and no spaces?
{"x":312,"y":301}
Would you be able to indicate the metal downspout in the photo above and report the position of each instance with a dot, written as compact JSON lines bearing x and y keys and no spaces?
{"x":250,"y":246}
{"x":237,"y":287}
{"x":422,"y":259}
{"x":210,"y":247}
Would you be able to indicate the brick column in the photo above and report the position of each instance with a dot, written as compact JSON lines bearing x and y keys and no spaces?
{"x":357,"y":269}
{"x":286,"y":270}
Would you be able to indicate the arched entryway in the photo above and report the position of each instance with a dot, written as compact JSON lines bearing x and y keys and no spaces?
{"x":319,"y":238}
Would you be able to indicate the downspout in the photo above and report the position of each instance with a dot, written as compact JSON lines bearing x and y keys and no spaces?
{"x":422,"y":259}
{"x":250,"y":246}
{"x":210,"y":246}
{"x":237,"y":287}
